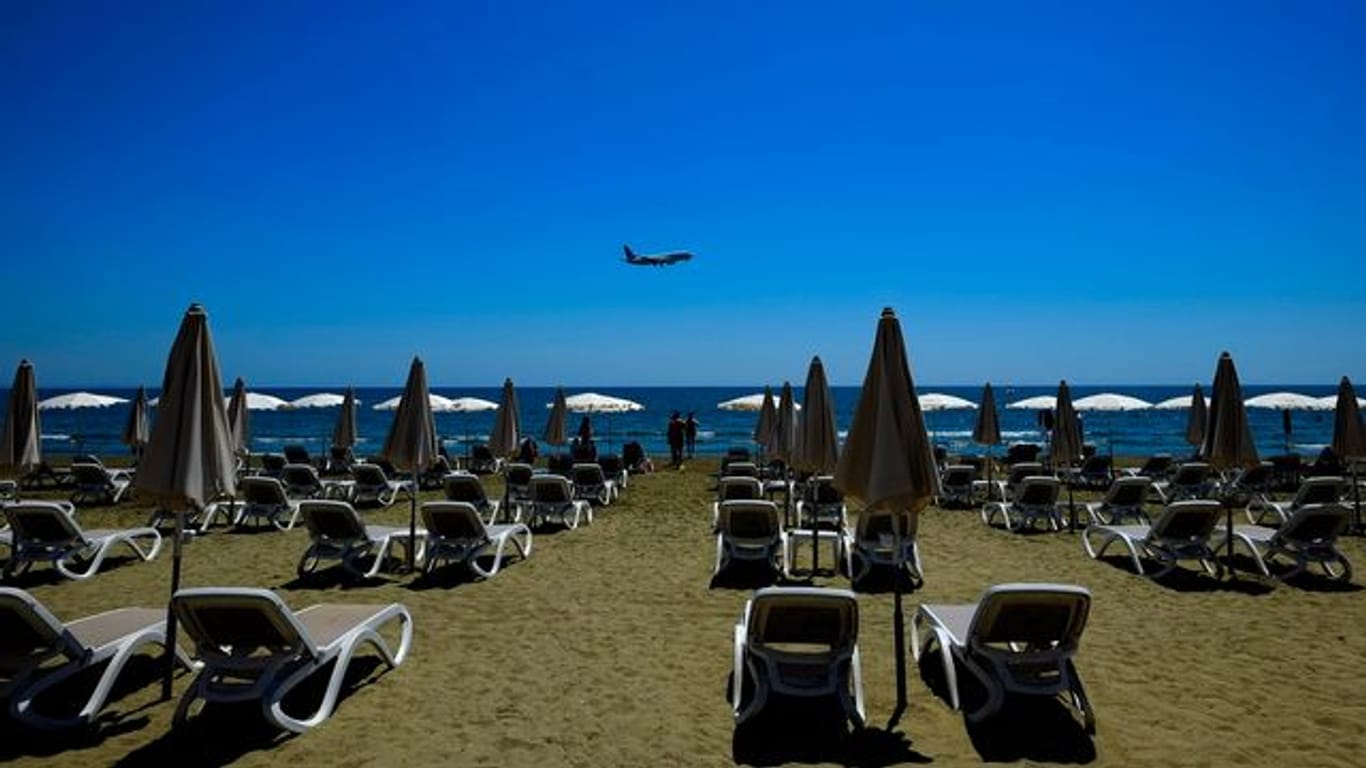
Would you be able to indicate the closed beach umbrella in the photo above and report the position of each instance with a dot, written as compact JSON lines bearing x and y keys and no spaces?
{"x":1065,"y":445}
{"x":1228,"y":439}
{"x":507,"y":427}
{"x":22,"y":449}
{"x":344,"y":433}
{"x":1197,"y":419}
{"x":554,"y":426}
{"x":784,"y":427}
{"x":1349,"y":439}
{"x":887,"y":460}
{"x":987,"y":430}
{"x":238,"y":421}
{"x":817,"y":449}
{"x":768,"y":416}
{"x":137,"y":429}
{"x":411,"y":443}
{"x":189,"y":459}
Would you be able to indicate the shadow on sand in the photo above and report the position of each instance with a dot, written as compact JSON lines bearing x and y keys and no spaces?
{"x":815,"y":731}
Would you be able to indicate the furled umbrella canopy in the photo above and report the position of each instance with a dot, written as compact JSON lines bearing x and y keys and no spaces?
{"x":1197,"y":418}
{"x":768,"y":414}
{"x":784,"y":439}
{"x":987,"y":429}
{"x":507,"y":427}
{"x":554,"y":425}
{"x":22,"y":449}
{"x":1349,"y":439}
{"x":411,"y":442}
{"x":137,"y":429}
{"x":1065,"y":443}
{"x":818,"y":446}
{"x":344,"y":433}
{"x":238,"y":421}
{"x":1228,"y":438}
{"x":887,"y":460}
{"x":189,"y":459}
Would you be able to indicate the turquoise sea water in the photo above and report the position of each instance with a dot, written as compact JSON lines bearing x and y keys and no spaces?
{"x":1139,"y":433}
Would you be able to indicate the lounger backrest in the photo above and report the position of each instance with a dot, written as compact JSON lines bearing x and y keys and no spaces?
{"x":1096,"y":465}
{"x":588,"y":474}
{"x":518,"y":474}
{"x":240,"y":623}
{"x":459,"y":486}
{"x":958,"y":476}
{"x":731,"y":488}
{"x":301,"y":478}
{"x":369,"y":474}
{"x":273,"y":463}
{"x":811,"y":619}
{"x":263,"y":491}
{"x":742,"y":469}
{"x":1254,"y":477}
{"x":1318,"y":490}
{"x":1018,"y":472}
{"x":874,"y":524}
{"x":297,"y":454}
{"x":1038,"y":491}
{"x":42,"y":524}
{"x":1316,"y":524}
{"x":332,"y":520}
{"x":822,"y":490}
{"x":1156,"y":465}
{"x":1033,"y":615}
{"x":747,"y":519}
{"x":452,"y":520}
{"x":90,"y":475}
{"x":1191,"y":473}
{"x":551,"y":489}
{"x":611,"y":464}
{"x":1192,"y":520}
{"x":1128,"y":491}
{"x":28,"y":631}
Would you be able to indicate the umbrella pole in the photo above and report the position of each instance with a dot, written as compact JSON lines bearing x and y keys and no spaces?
{"x":1071,"y":506}
{"x":898,"y":624}
{"x":412,"y":520}
{"x":170,"y":616}
{"x":1356,"y":500}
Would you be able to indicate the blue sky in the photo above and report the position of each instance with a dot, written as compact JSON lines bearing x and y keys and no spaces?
{"x":1106,"y":194}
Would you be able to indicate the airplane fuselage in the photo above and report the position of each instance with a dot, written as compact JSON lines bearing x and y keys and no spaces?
{"x":656,"y":260}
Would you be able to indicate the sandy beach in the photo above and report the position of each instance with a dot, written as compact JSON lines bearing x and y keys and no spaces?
{"x":608,"y":648}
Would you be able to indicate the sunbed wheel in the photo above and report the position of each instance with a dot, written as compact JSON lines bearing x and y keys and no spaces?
{"x":308,"y":563}
{"x":1339,"y":570}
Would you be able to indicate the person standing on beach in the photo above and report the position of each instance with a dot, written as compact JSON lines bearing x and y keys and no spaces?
{"x":690,"y":434}
{"x":675,"y":432}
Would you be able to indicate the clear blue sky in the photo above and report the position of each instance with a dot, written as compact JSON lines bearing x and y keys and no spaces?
{"x":1106,"y":194}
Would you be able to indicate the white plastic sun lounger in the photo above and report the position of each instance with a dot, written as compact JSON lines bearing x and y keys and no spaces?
{"x":337,"y":532}
{"x":552,"y":501}
{"x":1308,"y":537}
{"x":43,"y":531}
{"x":254,"y":647}
{"x":466,"y":487}
{"x":749,"y":530}
{"x":872,"y":543}
{"x":735,"y":488}
{"x":1315,"y":490}
{"x":1124,"y":499}
{"x":33,"y":638}
{"x":456,"y":533}
{"x":1034,"y":500}
{"x":1181,"y":532}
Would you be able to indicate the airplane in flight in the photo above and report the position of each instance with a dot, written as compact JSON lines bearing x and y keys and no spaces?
{"x":660,"y":260}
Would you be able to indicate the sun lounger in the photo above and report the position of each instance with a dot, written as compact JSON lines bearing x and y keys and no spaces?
{"x":373,"y":485}
{"x":1315,"y":490}
{"x":748,"y":530}
{"x":734,"y":488}
{"x":1181,"y":532}
{"x":1190,"y":481}
{"x":591,"y":485}
{"x":336,"y":532}
{"x":463,"y":486}
{"x":822,"y":505}
{"x":956,"y":485}
{"x":97,"y":485}
{"x":263,"y":500}
{"x":273,"y":465}
{"x":457,"y":533}
{"x":1123,"y":500}
{"x":1095,"y":473}
{"x":1017,"y":638}
{"x":1157,"y":467}
{"x":797,"y":641}
{"x":46,"y":531}
{"x":872,"y":544}
{"x":253,"y":647}
{"x":1004,"y":489}
{"x":552,"y":501}
{"x":1035,"y":500}
{"x":33,"y":638}
{"x":302,"y":481}
{"x":1307,"y":537}
{"x":482,"y":461}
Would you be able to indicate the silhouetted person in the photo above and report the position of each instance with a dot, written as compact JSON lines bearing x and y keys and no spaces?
{"x":676,"y":432}
{"x":690,"y":434}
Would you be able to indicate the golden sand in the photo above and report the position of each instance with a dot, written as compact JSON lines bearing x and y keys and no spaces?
{"x":608,"y":648}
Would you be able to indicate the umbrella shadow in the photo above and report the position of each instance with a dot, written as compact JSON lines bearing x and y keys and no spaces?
{"x":792,"y":731}
{"x":744,"y":575}
{"x":223,"y":733}
{"x":882,"y":581}
{"x":1027,"y":727}
{"x":335,"y":577}
{"x":66,"y":699}
{"x":1178,"y":579}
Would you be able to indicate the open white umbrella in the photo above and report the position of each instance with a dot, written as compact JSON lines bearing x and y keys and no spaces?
{"x":1289,"y":401}
{"x":593,"y":402}
{"x":1178,"y":403}
{"x":1109,"y":401}
{"x":437,"y":403}
{"x":1038,"y":403}
{"x":465,"y":405}
{"x":74,"y":401}
{"x":753,"y":403}
{"x":1332,"y":401}
{"x":936,"y":401}
{"x":20,"y":446}
{"x":189,"y":461}
{"x":888,"y":461}
{"x":257,"y":401}
{"x":411,"y":442}
{"x":319,"y":400}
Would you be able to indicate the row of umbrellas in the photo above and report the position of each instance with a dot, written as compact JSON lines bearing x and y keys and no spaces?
{"x":1105,"y":401}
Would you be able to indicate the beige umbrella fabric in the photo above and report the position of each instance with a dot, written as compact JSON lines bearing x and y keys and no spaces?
{"x":344,"y":433}
{"x":189,"y":458}
{"x":1349,"y":440}
{"x":411,"y":442}
{"x":784,"y":440}
{"x":987,"y":429}
{"x":22,"y":448}
{"x":1228,"y":438}
{"x":887,"y":460}
{"x":1197,"y":418}
{"x":507,"y":427}
{"x":818,"y":443}
{"x":554,"y":425}
{"x":1065,"y":444}
{"x":137,"y":429}
{"x":763,"y":426}
{"x":238,"y":421}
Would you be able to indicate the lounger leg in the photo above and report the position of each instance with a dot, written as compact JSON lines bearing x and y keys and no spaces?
{"x":854,"y":709}
{"x":1079,"y":699}
{"x":737,"y":683}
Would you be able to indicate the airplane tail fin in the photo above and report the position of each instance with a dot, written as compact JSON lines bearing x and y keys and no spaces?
{"x":630,"y":254}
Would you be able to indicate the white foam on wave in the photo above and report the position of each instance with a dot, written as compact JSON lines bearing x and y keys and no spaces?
{"x":58,"y":436}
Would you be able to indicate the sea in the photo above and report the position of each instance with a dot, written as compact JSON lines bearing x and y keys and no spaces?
{"x":1132,"y":434}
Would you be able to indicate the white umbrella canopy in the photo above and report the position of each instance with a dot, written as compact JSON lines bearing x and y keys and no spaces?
{"x":593,"y":402}
{"x":1291,"y":401}
{"x":1178,"y":403}
{"x":470,"y":405}
{"x":1332,"y":401}
{"x":1110,"y":401}
{"x":1038,"y":403}
{"x":437,"y":403}
{"x":79,"y":400}
{"x":937,"y":401}
{"x":319,"y":400}
{"x":256,"y":401}
{"x":754,"y":403}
